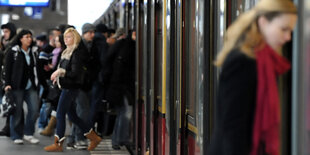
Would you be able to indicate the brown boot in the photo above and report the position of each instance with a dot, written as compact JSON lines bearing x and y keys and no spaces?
{"x":49,"y":129}
{"x":57,"y":146}
{"x":94,"y":139}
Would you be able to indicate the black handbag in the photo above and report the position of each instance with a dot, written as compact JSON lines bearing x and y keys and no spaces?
{"x":8,"y":104}
{"x":53,"y":92}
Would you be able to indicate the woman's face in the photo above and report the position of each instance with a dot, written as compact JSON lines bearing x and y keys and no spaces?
{"x":69,"y":39}
{"x":278,"y":31}
{"x":26,"y":40}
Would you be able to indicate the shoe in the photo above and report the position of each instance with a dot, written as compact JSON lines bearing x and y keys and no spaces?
{"x":31,"y":139}
{"x":57,"y":146}
{"x":18,"y":141}
{"x":70,"y":146}
{"x":81,"y":145}
{"x":49,"y":129}
{"x":116,"y":147}
{"x":5,"y":131}
{"x":94,"y":139}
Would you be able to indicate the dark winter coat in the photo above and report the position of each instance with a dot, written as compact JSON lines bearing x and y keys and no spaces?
{"x":120,"y":71}
{"x":17,"y":72}
{"x":92,"y":64}
{"x":102,"y":47}
{"x":75,"y":74}
{"x":235,"y":106}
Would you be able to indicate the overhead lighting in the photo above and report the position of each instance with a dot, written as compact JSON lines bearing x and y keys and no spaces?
{"x":15,"y":17}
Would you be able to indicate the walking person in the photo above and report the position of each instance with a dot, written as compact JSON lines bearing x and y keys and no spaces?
{"x":21,"y":77}
{"x":53,"y":93}
{"x":77,"y":139}
{"x":120,"y":71}
{"x":9,"y":31}
{"x":69,"y":77}
{"x":247,"y":115}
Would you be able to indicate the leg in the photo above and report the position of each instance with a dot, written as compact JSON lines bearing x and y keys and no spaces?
{"x":82,"y":111}
{"x":85,"y":127}
{"x":66,"y":99}
{"x":32,"y":100}
{"x":45,"y":111}
{"x":121,"y":133}
{"x":95,"y":97}
{"x":16,"y":121}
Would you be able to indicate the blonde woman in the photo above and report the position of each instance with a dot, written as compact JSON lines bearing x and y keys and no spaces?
{"x":247,"y":109}
{"x":69,"y":78}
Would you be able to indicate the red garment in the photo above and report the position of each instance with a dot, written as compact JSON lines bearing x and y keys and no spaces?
{"x":267,"y":112}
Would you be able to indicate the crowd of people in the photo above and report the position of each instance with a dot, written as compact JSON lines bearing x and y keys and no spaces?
{"x":88,"y":77}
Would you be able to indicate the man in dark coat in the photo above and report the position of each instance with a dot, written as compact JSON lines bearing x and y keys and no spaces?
{"x":9,"y":31}
{"x":120,"y":76}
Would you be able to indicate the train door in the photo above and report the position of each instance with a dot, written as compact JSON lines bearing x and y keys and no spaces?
{"x":146,"y":97}
{"x":159,"y":113}
{"x":193,"y":77}
{"x":169,"y":106}
{"x":301,"y":77}
{"x":141,"y":66}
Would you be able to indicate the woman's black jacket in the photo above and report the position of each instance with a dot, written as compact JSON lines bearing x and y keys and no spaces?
{"x":75,"y":73}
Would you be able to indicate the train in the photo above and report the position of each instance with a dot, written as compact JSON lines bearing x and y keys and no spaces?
{"x":176,"y":80}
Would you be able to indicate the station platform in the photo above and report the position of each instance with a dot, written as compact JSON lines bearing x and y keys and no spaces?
{"x":7,"y":147}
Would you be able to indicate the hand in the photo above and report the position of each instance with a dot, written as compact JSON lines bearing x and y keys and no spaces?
{"x":7,"y":88}
{"x":55,"y":75}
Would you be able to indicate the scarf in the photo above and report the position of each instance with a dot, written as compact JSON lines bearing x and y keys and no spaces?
{"x":66,"y":54}
{"x":267,"y":112}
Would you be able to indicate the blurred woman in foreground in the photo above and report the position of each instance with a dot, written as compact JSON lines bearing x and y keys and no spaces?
{"x":248,"y":109}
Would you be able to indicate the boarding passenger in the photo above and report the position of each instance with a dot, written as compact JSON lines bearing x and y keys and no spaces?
{"x":21,"y":77}
{"x":247,"y":115}
{"x":69,"y":77}
{"x":120,"y":64}
{"x":103,"y":117}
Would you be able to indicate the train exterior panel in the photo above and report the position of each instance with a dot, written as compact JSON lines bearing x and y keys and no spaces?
{"x":176,"y":81}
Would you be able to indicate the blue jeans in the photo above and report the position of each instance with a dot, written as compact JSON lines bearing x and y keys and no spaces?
{"x":121,"y":132}
{"x":45,"y":112}
{"x":18,"y":128}
{"x":96,"y":94}
{"x":82,"y":111}
{"x":66,"y":105}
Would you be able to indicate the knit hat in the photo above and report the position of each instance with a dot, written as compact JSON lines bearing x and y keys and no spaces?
{"x":87,"y":27}
{"x":41,"y":37}
{"x":101,"y":28}
{"x":119,"y":32}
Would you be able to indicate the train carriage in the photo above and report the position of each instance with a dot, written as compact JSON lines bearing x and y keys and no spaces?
{"x":176,"y":81}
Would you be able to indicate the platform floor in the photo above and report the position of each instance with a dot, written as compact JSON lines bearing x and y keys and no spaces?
{"x":7,"y":147}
